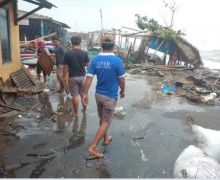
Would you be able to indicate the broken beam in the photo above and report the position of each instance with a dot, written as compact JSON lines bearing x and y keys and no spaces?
{"x":29,"y":13}
{"x":5,"y":3}
{"x":10,"y":107}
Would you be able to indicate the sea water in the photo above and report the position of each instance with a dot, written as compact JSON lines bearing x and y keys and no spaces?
{"x":211,"y":59}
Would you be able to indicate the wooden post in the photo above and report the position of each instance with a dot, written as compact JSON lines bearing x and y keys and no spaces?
{"x":41,"y":28}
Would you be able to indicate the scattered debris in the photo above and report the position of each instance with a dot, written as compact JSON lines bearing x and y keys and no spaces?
{"x":209,"y":97}
{"x":7,"y":133}
{"x":167,"y":89}
{"x":40,"y":155}
{"x":143,"y":156}
{"x":119,"y":111}
{"x":11,"y":107}
{"x":142,"y":137}
{"x":9,"y":114}
{"x":198,"y":85}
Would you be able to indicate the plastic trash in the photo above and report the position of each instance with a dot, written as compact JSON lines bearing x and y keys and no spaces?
{"x":168,"y":89}
{"x":209,"y":97}
{"x":207,"y":140}
{"x":194,"y":163}
{"x":119,"y":111}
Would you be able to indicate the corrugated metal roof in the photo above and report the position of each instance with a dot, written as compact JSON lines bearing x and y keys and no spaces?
{"x":43,"y":3}
{"x":21,"y":80}
{"x":39,"y":16}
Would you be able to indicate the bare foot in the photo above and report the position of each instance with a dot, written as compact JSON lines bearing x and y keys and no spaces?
{"x":107,"y":140}
{"x":94,"y":152}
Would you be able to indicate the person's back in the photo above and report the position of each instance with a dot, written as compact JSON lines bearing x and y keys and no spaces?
{"x":110,"y":75}
{"x":76,"y":59}
{"x":108,"y":69}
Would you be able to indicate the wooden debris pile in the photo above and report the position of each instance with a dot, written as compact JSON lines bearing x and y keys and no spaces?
{"x":198,"y":85}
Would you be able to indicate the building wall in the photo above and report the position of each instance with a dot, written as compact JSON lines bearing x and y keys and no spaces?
{"x":15,"y":64}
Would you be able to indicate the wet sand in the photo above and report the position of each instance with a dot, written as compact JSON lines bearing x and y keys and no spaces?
{"x":158,"y":117}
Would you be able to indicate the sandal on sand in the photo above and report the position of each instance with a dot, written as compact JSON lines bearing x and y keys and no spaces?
{"x":109,"y":139}
{"x":96,"y":153}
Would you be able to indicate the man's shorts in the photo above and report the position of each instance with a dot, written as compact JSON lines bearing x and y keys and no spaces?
{"x":106,"y":107}
{"x":76,"y":85}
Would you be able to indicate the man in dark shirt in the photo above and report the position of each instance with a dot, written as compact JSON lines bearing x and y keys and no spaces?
{"x":59,"y":55}
{"x":75,"y":61}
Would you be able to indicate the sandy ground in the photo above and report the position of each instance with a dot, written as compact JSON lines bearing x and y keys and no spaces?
{"x":61,"y":143}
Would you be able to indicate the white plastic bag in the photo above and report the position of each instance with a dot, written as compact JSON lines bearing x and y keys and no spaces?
{"x":207,"y":140}
{"x":194,"y":163}
{"x":209,"y":97}
{"x":119,"y":111}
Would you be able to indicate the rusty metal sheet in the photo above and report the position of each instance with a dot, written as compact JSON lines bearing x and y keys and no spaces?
{"x":46,"y":62}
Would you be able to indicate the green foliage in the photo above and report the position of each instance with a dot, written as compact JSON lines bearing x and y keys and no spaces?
{"x":145,"y":23}
{"x":153,"y":26}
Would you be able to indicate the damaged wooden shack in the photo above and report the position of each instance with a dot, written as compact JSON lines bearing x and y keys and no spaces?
{"x":173,"y":52}
{"x":14,"y":78}
{"x":180,"y":65}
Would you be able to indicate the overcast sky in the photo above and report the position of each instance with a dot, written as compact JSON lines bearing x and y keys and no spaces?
{"x":199,"y":19}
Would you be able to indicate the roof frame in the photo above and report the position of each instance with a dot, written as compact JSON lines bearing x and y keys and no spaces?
{"x":3,"y":3}
{"x":40,"y":3}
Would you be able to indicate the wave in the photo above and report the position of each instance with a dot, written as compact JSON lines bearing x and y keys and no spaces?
{"x":211,"y":59}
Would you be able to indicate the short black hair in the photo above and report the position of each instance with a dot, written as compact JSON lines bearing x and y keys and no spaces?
{"x":107,"y":45}
{"x":55,"y":38}
{"x":76,"y":40}
{"x":108,"y":42}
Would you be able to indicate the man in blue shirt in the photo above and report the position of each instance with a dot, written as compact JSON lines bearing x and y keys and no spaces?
{"x":110,"y":75}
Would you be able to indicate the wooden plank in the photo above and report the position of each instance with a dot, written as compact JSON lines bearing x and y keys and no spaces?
{"x":5,"y":3}
{"x":9,"y":114}
{"x":11,"y":107}
{"x":8,"y":89}
{"x":46,"y":62}
{"x":8,"y":98}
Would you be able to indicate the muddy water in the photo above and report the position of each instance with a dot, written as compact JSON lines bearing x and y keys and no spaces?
{"x":61,"y":143}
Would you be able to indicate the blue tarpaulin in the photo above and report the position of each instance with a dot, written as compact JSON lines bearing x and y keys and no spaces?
{"x":156,"y":41}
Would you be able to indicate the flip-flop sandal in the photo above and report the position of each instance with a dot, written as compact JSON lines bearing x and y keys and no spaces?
{"x":96,"y":154}
{"x":109,"y":140}
{"x":84,"y":112}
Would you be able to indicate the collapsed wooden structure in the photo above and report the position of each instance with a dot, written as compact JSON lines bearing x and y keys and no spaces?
{"x":14,"y":78}
{"x":134,"y":48}
{"x":179,"y":50}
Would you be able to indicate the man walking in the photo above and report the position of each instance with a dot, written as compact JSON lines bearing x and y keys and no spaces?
{"x":59,"y":55}
{"x":75,"y":61}
{"x":110,"y":74}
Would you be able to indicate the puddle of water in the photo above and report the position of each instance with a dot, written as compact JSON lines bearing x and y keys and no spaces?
{"x":153,"y":156}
